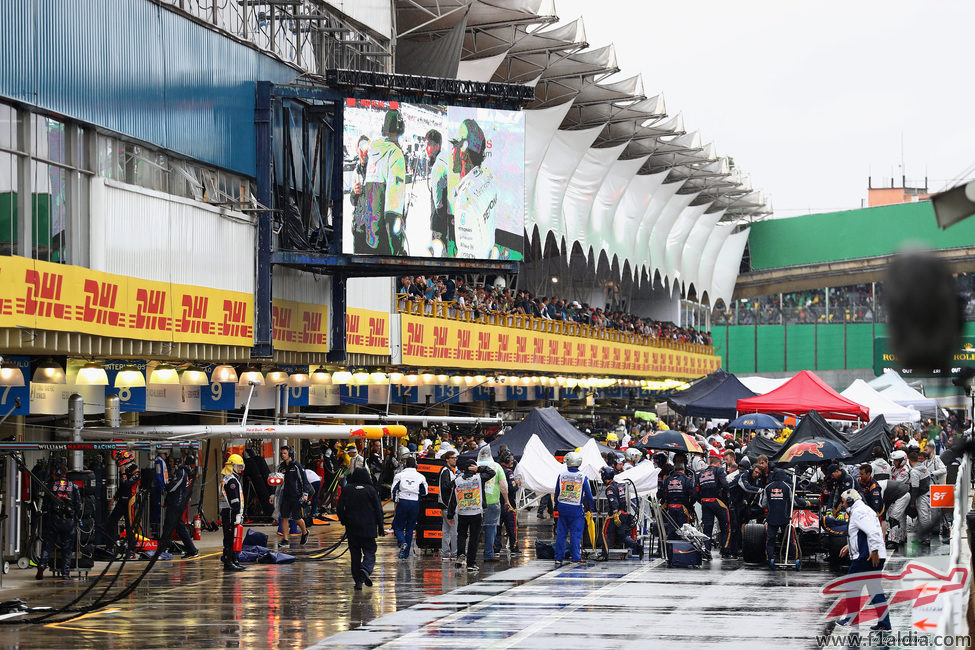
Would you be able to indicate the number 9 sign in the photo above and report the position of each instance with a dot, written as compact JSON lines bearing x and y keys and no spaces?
{"x":217,"y":396}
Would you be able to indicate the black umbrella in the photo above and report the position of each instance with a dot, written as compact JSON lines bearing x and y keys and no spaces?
{"x":671,"y":441}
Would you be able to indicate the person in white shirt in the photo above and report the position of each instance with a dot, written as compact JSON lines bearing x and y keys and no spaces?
{"x":867,"y":552}
{"x":408,"y":486}
{"x":315,"y":481}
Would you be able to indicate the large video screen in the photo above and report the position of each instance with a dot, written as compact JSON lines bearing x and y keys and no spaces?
{"x":433,"y":181}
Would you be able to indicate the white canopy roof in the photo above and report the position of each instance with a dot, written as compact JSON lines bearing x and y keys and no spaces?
{"x":861,"y":393}
{"x":762,"y":385}
{"x":892,"y":386}
{"x":607,"y":170}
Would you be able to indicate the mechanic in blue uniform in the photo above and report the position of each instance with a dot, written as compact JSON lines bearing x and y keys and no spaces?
{"x":837,"y":482}
{"x":160,"y":471}
{"x":291,"y":494}
{"x":736,"y":500}
{"x":619,"y":522}
{"x":573,"y":498}
{"x":678,"y":498}
{"x":129,"y":482}
{"x":177,"y":496}
{"x":870,"y":490}
{"x":712,"y":492}
{"x":61,"y":511}
{"x":780,"y":501}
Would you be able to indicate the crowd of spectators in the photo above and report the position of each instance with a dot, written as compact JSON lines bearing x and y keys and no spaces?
{"x":853,"y":303}
{"x":487,"y":299}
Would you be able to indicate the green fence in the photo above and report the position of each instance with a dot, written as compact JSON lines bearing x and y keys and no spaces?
{"x":747,"y":349}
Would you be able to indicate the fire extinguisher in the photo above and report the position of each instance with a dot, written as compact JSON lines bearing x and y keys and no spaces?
{"x":197,"y":526}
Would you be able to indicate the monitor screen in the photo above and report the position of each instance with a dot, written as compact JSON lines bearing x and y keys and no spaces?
{"x":433,"y":181}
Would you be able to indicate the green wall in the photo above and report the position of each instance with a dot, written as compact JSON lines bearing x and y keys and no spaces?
{"x":751,"y":349}
{"x":851,"y":234}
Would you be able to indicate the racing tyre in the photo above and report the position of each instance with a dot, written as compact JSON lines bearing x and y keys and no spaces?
{"x":753,"y":544}
{"x":833,"y":545}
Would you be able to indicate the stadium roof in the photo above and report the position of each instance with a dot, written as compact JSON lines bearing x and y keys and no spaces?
{"x":606,"y":168}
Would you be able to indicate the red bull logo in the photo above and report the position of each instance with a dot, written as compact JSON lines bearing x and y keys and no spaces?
{"x":800,"y":448}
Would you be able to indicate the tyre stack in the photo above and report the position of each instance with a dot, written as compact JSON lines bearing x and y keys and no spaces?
{"x":429,"y":523}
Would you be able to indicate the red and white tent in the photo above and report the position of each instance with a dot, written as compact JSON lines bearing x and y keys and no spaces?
{"x":803,"y":393}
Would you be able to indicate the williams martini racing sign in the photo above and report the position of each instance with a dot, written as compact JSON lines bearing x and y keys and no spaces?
{"x":884,"y":359}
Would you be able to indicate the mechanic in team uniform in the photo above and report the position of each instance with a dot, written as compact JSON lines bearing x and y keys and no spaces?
{"x":408,"y":487}
{"x":291,"y":494}
{"x":474,"y":200}
{"x":780,"y":502}
{"x":509,"y":516}
{"x":129,"y":482}
{"x":870,"y":490}
{"x":231,"y":509}
{"x":920,"y":485}
{"x":573,"y":498}
{"x":177,"y":496}
{"x":379,"y":218}
{"x":467,"y":503}
{"x":619,"y":522}
{"x":837,"y":482}
{"x":61,"y":511}
{"x":736,"y":500}
{"x":678,"y":498}
{"x":712,"y":493}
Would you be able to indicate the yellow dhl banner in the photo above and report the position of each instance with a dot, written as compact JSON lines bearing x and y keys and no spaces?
{"x":435,"y":342}
{"x":366,"y":331}
{"x":66,"y":298}
{"x":299,"y":326}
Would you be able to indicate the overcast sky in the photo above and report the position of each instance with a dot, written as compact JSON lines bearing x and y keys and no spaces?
{"x":809,"y":98}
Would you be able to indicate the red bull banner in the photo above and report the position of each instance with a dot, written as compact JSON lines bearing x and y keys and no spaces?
{"x":444,"y":343}
{"x":65,"y":298}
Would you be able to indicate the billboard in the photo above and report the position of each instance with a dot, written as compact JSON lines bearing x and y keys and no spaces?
{"x":433,"y":181}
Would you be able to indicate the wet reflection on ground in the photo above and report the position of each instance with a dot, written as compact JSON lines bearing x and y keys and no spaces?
{"x":195,"y":604}
{"x":424,"y":602}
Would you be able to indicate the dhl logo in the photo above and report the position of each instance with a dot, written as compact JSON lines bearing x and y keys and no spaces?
{"x":414,"y":340}
{"x":281,"y":324}
{"x":100,"y":301}
{"x":150,"y":311}
{"x":440,"y":349}
{"x":194,"y":316}
{"x":44,"y":296}
{"x":312,"y":332}
{"x":377,"y":333}
{"x":235,"y":320}
{"x":484,"y":346}
{"x":463,"y":345}
{"x":800,"y":448}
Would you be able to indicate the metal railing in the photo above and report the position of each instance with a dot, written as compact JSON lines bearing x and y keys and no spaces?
{"x":450,"y":311}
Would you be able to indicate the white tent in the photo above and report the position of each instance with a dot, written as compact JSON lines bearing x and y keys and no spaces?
{"x":538,"y":470}
{"x":892,"y":386}
{"x":643,"y":477}
{"x":762,"y":385}
{"x":861,"y":393}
